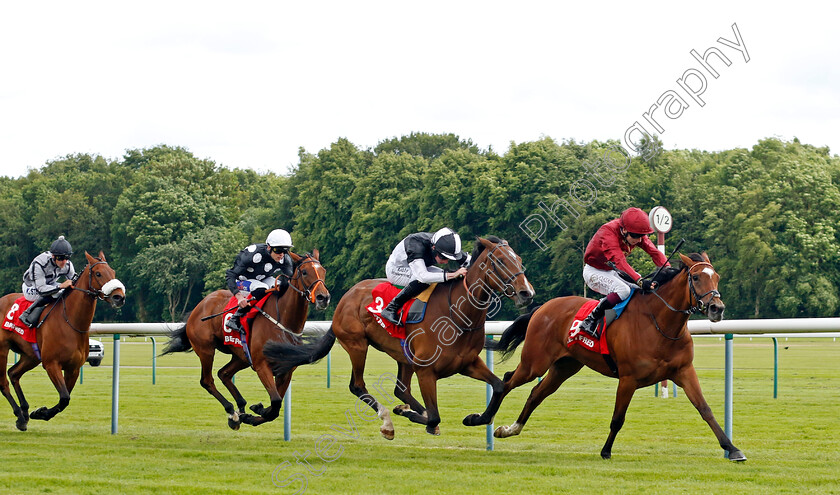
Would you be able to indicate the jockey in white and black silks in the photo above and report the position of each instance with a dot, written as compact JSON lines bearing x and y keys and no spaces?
{"x":412,"y":265}
{"x":255,"y":269}
{"x":40,"y":281}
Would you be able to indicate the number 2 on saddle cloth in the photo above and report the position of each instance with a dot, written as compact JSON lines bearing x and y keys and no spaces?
{"x":412,"y":311}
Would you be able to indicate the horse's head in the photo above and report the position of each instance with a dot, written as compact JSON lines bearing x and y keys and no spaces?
{"x":703,"y":285}
{"x":308,"y":279}
{"x":503,"y":270}
{"x":101,"y":281}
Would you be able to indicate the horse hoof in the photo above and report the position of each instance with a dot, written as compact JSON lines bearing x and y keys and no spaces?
{"x":258,"y":408}
{"x":387,"y":434}
{"x":246,"y":418}
{"x":40,"y":413}
{"x":473,"y":420}
{"x":606,"y":455}
{"x":401,"y":409}
{"x":433,"y":431}
{"x":21,"y":425}
{"x":737,"y":456}
{"x":234,"y":421}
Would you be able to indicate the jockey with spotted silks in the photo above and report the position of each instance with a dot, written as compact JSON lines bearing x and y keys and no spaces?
{"x":412,"y":265}
{"x":40,"y":279}
{"x":254,"y":271}
{"x":611,"y":243}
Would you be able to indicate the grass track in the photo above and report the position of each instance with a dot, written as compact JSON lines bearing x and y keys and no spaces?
{"x":173,"y":436}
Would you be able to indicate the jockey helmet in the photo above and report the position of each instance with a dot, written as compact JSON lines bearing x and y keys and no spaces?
{"x":636,"y":221}
{"x":60,"y":247}
{"x":447,"y":243}
{"x":279,"y":238}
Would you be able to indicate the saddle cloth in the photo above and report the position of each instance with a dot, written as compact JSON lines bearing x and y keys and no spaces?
{"x":12,"y":321}
{"x":412,"y":311}
{"x":583,"y":339}
{"x":232,"y":338}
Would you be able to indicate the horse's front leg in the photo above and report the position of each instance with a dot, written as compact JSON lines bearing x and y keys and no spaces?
{"x":54,"y":371}
{"x":687,"y":379}
{"x":427,"y":378}
{"x":626,"y":387}
{"x":478,"y":370}
{"x":412,"y":408}
{"x":270,"y":413}
{"x":226,"y":373}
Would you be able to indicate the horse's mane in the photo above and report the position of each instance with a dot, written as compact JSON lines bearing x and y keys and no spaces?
{"x":479,"y":247}
{"x":669,"y":272}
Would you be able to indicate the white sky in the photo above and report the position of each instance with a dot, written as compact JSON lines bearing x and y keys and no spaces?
{"x":248,"y":83}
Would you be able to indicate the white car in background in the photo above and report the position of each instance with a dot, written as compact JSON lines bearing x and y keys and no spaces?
{"x":96,"y":352}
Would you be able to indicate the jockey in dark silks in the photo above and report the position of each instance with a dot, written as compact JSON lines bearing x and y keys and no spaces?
{"x":254,"y":271}
{"x":40,"y":279}
{"x":411,"y":265}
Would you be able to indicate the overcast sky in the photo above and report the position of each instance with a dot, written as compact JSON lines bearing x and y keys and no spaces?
{"x":247,"y":83}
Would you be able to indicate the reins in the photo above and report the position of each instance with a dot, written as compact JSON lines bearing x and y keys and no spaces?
{"x":96,"y":294}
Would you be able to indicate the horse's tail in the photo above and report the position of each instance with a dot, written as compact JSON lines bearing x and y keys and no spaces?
{"x":178,"y":341}
{"x":284,"y":356}
{"x":511,"y":337}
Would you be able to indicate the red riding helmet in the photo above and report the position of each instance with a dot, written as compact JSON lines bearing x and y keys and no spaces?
{"x":636,"y":221}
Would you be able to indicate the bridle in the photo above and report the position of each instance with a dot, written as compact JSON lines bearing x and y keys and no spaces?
{"x":307,"y":292}
{"x":494,"y":264}
{"x":102,"y":293}
{"x":699,"y":307}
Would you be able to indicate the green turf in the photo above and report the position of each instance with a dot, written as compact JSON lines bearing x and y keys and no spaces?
{"x":173,"y":436}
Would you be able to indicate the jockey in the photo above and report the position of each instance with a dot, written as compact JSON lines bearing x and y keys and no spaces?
{"x":254,"y":269}
{"x":39,"y":280}
{"x":411,"y":265}
{"x":612,"y":242}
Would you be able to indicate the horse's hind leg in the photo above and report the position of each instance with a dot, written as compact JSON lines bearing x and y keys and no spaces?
{"x":357,"y":350}
{"x":559,"y":372}
{"x":7,"y":392}
{"x":687,"y":380}
{"x":626,"y":387}
{"x":54,"y":371}
{"x":25,"y":364}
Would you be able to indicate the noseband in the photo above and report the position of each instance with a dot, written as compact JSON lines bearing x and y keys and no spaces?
{"x":103,"y":291}
{"x":494,"y":264}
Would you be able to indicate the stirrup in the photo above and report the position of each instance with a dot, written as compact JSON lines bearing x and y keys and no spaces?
{"x":591,"y":330}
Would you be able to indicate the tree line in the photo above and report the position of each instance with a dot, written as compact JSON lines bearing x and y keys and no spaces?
{"x":171,"y":223}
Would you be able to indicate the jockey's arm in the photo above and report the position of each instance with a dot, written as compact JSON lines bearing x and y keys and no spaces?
{"x":422,"y":273}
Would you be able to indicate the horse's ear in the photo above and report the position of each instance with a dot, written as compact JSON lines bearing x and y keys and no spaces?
{"x":101,"y":255}
{"x":484,"y":242}
{"x":295,"y":256}
{"x":686,"y":260}
{"x":90,"y":258}
{"x":705,"y":257}
{"x":316,"y":254}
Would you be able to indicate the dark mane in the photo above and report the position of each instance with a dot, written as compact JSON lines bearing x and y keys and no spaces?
{"x":669,"y":273}
{"x":479,"y":247}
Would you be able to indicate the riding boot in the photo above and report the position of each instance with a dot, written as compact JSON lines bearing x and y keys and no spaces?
{"x":593,"y":319}
{"x":235,"y":321}
{"x":32,"y":314}
{"x":413,"y":289}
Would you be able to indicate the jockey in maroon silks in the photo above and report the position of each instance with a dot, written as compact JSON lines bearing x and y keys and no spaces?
{"x":613,"y":241}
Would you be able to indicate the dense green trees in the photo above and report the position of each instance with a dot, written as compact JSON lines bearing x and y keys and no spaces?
{"x":171,"y":223}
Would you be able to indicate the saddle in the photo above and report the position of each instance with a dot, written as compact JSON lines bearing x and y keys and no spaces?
{"x":610,"y":315}
{"x":232,"y":338}
{"x":12,"y":321}
{"x":412,"y":312}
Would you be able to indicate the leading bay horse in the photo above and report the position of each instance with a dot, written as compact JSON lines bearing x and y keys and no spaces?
{"x":204,"y":333}
{"x":62,"y":338}
{"x":449,"y":340}
{"x":649,"y":343}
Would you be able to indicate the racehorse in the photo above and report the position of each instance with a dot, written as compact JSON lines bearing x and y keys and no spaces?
{"x":204,"y":333}
{"x":449,"y":340}
{"x":62,"y":337}
{"x":649,"y":343}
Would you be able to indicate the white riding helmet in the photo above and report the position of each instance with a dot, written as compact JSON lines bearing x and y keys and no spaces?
{"x":279,"y":238}
{"x":447,"y":243}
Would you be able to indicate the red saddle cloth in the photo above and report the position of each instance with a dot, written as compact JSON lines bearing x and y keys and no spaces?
{"x":382,"y":295}
{"x":582,"y":338}
{"x":233,"y":338}
{"x":12,"y":321}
